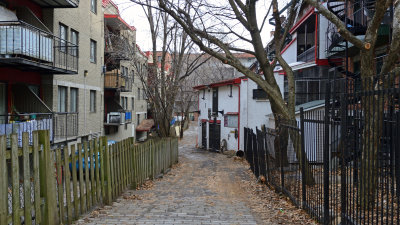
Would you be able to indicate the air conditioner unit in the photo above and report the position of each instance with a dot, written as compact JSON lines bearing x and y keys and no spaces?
{"x":116,"y":117}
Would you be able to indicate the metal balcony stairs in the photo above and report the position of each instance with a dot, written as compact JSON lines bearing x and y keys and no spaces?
{"x":355,"y":23}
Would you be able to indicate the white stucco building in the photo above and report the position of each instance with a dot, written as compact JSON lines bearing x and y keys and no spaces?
{"x":226,"y":107}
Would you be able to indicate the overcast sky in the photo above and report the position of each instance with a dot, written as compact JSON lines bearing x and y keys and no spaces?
{"x":134,"y":15}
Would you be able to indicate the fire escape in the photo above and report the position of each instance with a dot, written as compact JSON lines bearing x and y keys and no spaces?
{"x":356,"y":15}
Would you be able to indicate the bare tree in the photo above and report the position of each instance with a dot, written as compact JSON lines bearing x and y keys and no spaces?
{"x":171,"y":46}
{"x":220,"y":29}
{"x":367,"y":47}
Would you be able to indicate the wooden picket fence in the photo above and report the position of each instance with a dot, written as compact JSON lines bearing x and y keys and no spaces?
{"x":43,"y":186}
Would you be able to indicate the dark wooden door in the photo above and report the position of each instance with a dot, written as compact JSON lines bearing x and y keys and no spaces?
{"x":204,"y":135}
{"x":215,"y":136}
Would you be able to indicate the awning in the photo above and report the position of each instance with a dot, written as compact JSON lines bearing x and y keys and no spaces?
{"x":145,"y":125}
{"x":296,"y":66}
{"x":117,"y":22}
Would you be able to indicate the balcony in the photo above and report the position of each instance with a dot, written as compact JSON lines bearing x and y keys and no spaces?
{"x":307,"y":56}
{"x":28,"y":48}
{"x":116,"y":80}
{"x":57,"y":3}
{"x":62,"y":126}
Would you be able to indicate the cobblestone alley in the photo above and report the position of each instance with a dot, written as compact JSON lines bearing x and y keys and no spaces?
{"x":204,"y":188}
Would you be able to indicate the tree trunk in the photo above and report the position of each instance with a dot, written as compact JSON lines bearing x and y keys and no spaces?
{"x":372,"y":132}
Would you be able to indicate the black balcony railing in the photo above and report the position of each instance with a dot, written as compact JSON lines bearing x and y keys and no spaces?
{"x":307,"y":56}
{"x":116,"y":80}
{"x":25,"y":46}
{"x":61,"y":126}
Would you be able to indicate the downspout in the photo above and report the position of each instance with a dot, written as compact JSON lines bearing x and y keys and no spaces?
{"x":316,"y":36}
{"x":198,"y":118}
{"x":238,"y":118}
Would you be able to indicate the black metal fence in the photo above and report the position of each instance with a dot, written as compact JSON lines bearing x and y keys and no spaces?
{"x":339,"y":162}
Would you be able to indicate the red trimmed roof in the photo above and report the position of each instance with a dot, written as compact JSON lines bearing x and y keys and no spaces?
{"x":112,"y":16}
{"x":105,"y":3}
{"x":243,"y":55}
{"x":220,"y":83}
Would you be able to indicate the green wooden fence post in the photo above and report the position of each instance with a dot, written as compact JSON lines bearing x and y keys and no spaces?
{"x":60,"y":185}
{"x":36,"y":176}
{"x":47,"y":182}
{"x":102,"y":168}
{"x":92,"y":158}
{"x":97,"y":148}
{"x":68,"y":184}
{"x":107,"y":173}
{"x":15,"y":179}
{"x":4,"y":183}
{"x":81,"y":181}
{"x":87,"y":187}
{"x":75,"y":181}
{"x":27,"y":179}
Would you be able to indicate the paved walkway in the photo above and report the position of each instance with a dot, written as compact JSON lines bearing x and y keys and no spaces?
{"x":202,"y":189}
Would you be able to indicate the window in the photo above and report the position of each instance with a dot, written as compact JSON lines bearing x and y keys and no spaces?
{"x":159,"y":58}
{"x":133,"y":103}
{"x":204,"y":94}
{"x":62,"y":98}
{"x":124,"y":102}
{"x":92,"y":101}
{"x":93,"y":51}
{"x":74,"y":42}
{"x":63,"y":37}
{"x":144,"y":94}
{"x":138,"y":119}
{"x":215,"y":100}
{"x":133,"y":76}
{"x":230,"y":90}
{"x":231,"y":121}
{"x":138,"y":94}
{"x":259,"y":94}
{"x":73,"y":105}
{"x":93,"y":6}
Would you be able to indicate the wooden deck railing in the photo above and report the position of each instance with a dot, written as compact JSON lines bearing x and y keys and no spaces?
{"x":57,"y":186}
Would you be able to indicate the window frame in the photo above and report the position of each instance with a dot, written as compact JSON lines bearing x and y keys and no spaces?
{"x":62,"y":102}
{"x":63,"y":37}
{"x":76,"y":97}
{"x":92,"y":103}
{"x":74,"y":51}
{"x":93,"y":6}
{"x":93,"y":58}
